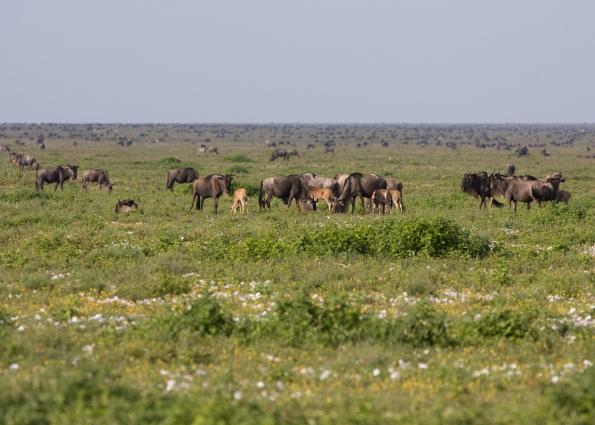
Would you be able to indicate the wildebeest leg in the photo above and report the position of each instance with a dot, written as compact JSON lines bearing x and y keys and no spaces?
{"x":201,"y":199}
{"x":192,"y":204}
{"x":353,"y":205}
{"x":528,"y":206}
{"x":57,"y":184}
{"x":362,"y":201}
{"x":216,"y":200}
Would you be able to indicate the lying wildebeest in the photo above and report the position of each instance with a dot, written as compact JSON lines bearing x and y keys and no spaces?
{"x":211,"y":186}
{"x":517,"y":190}
{"x":379,"y":200}
{"x":180,"y":175}
{"x":240,"y":200}
{"x":124,"y":206}
{"x":57,"y":175}
{"x":478,"y":185}
{"x":279,"y":153}
{"x":358,"y":185}
{"x":287,"y":188}
{"x":563,"y":196}
{"x":96,"y":176}
{"x":394,"y":199}
{"x":324,"y":193}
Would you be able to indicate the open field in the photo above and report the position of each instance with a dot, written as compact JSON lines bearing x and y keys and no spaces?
{"x":445,"y":314}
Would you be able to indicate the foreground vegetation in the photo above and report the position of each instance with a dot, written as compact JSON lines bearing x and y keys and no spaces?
{"x":445,"y":314}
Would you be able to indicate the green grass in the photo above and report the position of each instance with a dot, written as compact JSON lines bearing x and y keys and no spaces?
{"x":445,"y":314}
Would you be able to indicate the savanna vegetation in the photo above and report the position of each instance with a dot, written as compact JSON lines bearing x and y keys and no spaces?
{"x":444,"y":314}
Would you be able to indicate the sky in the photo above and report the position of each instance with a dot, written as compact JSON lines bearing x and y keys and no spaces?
{"x":308,"y":61}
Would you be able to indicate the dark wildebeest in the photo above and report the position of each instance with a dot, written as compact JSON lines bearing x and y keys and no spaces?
{"x":180,"y":175}
{"x":57,"y":175}
{"x":211,"y":186}
{"x":96,"y":176}
{"x":357,"y":184}
{"x":527,"y":191}
{"x":125,"y":206}
{"x":14,"y":158}
{"x":279,"y":153}
{"x":287,"y":188}
{"x":478,"y":185}
{"x":563,"y":196}
{"x":510,"y":169}
{"x":293,"y":152}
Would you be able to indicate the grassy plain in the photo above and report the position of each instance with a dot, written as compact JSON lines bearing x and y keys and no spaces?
{"x":163,"y":316}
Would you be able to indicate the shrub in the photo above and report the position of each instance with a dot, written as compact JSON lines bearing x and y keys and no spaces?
{"x":238,"y":158}
{"x":205,"y":317}
{"x":506,"y":324}
{"x":424,"y":326}
{"x":574,"y":399}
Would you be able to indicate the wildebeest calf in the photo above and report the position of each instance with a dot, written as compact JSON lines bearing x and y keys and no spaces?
{"x":240,"y":200}
{"x":394,"y":199}
{"x":324,"y":193}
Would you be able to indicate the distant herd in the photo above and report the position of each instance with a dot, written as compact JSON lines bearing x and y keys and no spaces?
{"x":376,"y":193}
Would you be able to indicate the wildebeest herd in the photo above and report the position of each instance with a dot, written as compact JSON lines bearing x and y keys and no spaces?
{"x":513,"y":188}
{"x":376,"y":193}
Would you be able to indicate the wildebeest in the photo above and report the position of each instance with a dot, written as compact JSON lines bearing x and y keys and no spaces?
{"x":379,"y":200}
{"x":211,"y":186}
{"x":57,"y":175}
{"x":563,"y":196}
{"x":510,"y":169}
{"x":324,"y":193}
{"x":358,"y":185}
{"x":4,"y":148}
{"x":124,"y":206}
{"x":526,"y":191}
{"x":27,"y":161}
{"x":96,"y":176}
{"x":287,"y":188}
{"x":293,"y":152}
{"x":180,"y":175}
{"x":392,"y":183}
{"x":279,"y":153}
{"x":478,"y":185}
{"x":394,"y":199}
{"x":240,"y":200}
{"x":207,"y":150}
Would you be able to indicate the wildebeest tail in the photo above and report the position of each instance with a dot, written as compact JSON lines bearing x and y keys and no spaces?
{"x":260,"y":203}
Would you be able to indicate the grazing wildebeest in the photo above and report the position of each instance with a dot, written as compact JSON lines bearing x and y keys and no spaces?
{"x":293,"y":152}
{"x":340,"y":179}
{"x":379,"y":200}
{"x":322,"y":182}
{"x":240,"y":200}
{"x":510,"y":169}
{"x":57,"y":175}
{"x":395,"y":199}
{"x":329,"y":150}
{"x":96,"y":176}
{"x":4,"y":148}
{"x":180,"y":175}
{"x":392,"y":183}
{"x":478,"y":185}
{"x":517,"y":190}
{"x":287,"y":188}
{"x":279,"y":153}
{"x":213,"y":150}
{"x":124,"y":206}
{"x":211,"y":186}
{"x":563,"y":196}
{"x":318,"y":193}
{"x":15,"y":158}
{"x":357,"y":184}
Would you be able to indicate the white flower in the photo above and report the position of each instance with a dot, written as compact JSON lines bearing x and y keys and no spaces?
{"x":325,"y":374}
{"x":587,"y":363}
{"x":89,"y":348}
{"x":555,"y":379}
{"x":422,"y":365}
{"x":170,"y":385}
{"x":260,"y":384}
{"x":376,"y":372}
{"x":14,"y":366}
{"x":237,"y":395}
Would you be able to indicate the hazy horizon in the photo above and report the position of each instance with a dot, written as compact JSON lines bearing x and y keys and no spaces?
{"x":272,"y":62}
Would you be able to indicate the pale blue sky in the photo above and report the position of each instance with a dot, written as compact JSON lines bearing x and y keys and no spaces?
{"x":297,"y":61}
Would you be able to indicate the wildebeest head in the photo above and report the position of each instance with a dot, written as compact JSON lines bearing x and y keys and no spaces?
{"x":226,"y":179}
{"x":74,"y":168}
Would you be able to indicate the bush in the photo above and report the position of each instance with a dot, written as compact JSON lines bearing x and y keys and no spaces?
{"x":205,"y":317}
{"x":251,"y":189}
{"x":424,"y":326}
{"x":506,"y":324}
{"x":238,"y":158}
{"x":574,"y":400}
